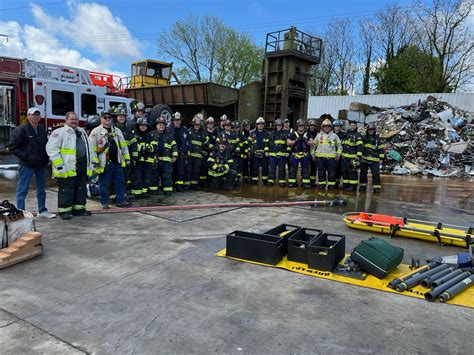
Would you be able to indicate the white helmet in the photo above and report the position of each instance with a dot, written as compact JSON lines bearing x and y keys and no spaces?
{"x":260,"y":120}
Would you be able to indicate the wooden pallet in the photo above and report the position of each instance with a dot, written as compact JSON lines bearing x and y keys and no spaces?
{"x":25,"y":247}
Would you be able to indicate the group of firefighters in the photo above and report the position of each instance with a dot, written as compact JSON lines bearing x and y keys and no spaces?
{"x":222,"y":156}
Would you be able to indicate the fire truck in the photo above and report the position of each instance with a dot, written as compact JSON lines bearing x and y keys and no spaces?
{"x":55,"y":90}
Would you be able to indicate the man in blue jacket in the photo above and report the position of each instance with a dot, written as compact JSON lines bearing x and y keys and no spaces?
{"x":28,"y":143}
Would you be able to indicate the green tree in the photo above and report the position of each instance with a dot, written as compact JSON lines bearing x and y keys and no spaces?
{"x":208,"y":50}
{"x":410,"y":71}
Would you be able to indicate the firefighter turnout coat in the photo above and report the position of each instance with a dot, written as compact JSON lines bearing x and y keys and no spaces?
{"x":99,"y":140}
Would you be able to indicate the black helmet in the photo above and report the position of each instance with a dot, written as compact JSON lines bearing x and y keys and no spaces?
{"x":142,"y":120}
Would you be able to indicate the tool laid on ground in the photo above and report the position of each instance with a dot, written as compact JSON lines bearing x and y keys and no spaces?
{"x":336,"y":202}
{"x":441,"y":233}
{"x":446,"y":276}
{"x":27,"y":246}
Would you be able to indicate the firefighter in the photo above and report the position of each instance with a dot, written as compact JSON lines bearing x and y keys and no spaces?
{"x":300,"y":147}
{"x":221,"y":166}
{"x":277,"y":154}
{"x":140,"y":152}
{"x":113,"y":156}
{"x":236,"y":129}
{"x":72,"y":157}
{"x":311,"y":133}
{"x":183,"y":143}
{"x":337,"y":125}
{"x":199,"y":141}
{"x":286,"y":126}
{"x":372,"y":155}
{"x":163,"y":153}
{"x":351,"y":153}
{"x":138,"y":110}
{"x":211,"y":132}
{"x":259,"y":139}
{"x":327,"y":149}
{"x":233,"y":141}
{"x":222,"y":121}
{"x":120,"y":122}
{"x":245,"y":151}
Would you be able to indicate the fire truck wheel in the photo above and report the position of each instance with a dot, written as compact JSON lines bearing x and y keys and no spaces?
{"x":159,"y":110}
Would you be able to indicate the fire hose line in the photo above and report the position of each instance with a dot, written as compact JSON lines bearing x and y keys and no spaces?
{"x":336,"y":202}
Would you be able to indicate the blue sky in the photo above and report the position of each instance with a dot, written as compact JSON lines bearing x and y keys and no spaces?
{"x":106,"y":35}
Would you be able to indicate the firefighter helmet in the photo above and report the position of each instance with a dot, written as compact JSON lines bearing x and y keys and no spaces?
{"x":337,"y":123}
{"x":222,"y":140}
{"x":245,"y":123}
{"x":300,"y":122}
{"x":227,"y":123}
{"x":312,"y":122}
{"x":210,"y":120}
{"x":326,"y":123}
{"x":223,"y":118}
{"x":142,"y":120}
{"x":260,"y":120}
{"x":279,"y":122}
{"x":197,"y":120}
{"x":161,"y":119}
{"x":236,"y":124}
{"x":286,"y":121}
{"x":176,"y":116}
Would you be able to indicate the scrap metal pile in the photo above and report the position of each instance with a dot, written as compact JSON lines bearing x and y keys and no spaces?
{"x":429,"y":137}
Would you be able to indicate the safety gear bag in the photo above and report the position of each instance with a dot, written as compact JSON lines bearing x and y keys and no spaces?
{"x":377,"y":256}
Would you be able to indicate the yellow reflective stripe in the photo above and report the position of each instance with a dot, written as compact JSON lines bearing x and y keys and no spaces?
{"x":67,"y":151}
{"x":126,"y":156}
{"x":167,"y":145}
{"x":57,"y":162}
{"x":122,"y":144}
{"x":59,"y":175}
{"x":78,"y":207}
{"x":347,"y":155}
{"x":326,"y":155}
{"x":64,"y":209}
{"x":168,"y":159}
{"x":196,"y":143}
{"x":280,"y":141}
{"x":89,"y":172}
{"x":195,"y":155}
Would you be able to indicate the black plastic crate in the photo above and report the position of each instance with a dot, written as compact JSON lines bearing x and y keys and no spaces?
{"x":326,"y":251}
{"x":263,"y":248}
{"x":281,"y":229}
{"x":298,"y":244}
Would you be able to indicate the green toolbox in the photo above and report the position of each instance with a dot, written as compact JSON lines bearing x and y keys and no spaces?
{"x":377,"y":256}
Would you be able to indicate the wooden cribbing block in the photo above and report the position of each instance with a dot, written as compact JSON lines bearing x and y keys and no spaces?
{"x":25,"y":247}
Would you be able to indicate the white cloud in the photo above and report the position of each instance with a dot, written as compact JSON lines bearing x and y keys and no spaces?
{"x":36,"y":44}
{"x":90,"y":25}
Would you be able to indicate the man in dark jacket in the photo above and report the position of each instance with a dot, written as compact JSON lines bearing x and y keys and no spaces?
{"x":28,"y":143}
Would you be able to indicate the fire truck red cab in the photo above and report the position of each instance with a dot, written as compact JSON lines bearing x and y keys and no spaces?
{"x":55,"y":90}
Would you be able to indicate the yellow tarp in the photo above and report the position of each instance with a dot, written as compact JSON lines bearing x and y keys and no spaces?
{"x":466,"y":298}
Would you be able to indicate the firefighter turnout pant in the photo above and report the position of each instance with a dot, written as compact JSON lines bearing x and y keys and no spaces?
{"x":349,"y":173}
{"x":313,"y":167}
{"x":226,"y":181}
{"x":294,"y":164}
{"x":113,"y":173}
{"x":245,"y":168}
{"x":257,"y":163}
{"x":140,"y":179}
{"x":374,"y":169}
{"x":194,"y":166}
{"x":338,"y":173}
{"x":326,"y":166}
{"x":72,"y":191}
{"x":274,"y":163}
{"x":179,"y":173}
{"x":161,"y":172}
